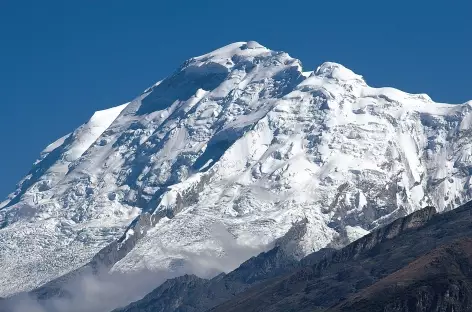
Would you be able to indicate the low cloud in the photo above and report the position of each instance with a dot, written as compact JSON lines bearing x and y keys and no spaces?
{"x":105,"y":291}
{"x":101,"y":292}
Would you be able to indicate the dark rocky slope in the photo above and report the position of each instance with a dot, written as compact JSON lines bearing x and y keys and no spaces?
{"x":359,"y":265}
{"x":439,"y":281}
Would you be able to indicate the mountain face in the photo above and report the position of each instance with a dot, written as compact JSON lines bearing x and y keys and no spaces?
{"x":194,"y":294}
{"x":215,"y":164}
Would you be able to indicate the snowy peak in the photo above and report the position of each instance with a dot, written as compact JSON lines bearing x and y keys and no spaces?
{"x":227,"y":55}
{"x":220,"y":160}
{"x":219,"y":73}
{"x":235,"y":48}
{"x":338,"y":72}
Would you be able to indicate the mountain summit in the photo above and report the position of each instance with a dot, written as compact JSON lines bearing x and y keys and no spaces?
{"x":215,"y":163}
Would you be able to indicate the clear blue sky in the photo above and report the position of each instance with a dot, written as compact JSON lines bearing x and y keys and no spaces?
{"x":62,"y":60}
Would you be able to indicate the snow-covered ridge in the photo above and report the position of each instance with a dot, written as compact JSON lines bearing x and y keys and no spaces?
{"x":55,"y":159}
{"x":217,"y":161}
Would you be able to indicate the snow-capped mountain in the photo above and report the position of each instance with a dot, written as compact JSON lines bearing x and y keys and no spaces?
{"x":215,"y":163}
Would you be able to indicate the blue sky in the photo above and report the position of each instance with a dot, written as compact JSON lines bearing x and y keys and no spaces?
{"x":62,"y":60}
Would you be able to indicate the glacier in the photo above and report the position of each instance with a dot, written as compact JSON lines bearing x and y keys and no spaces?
{"x":214,"y":163}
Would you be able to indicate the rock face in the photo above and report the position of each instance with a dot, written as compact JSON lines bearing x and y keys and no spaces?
{"x":421,"y":268}
{"x":439,"y":281}
{"x":215,"y":163}
{"x":413,"y":221}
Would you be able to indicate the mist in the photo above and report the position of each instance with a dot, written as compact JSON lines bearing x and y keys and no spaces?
{"x":106,"y":291}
